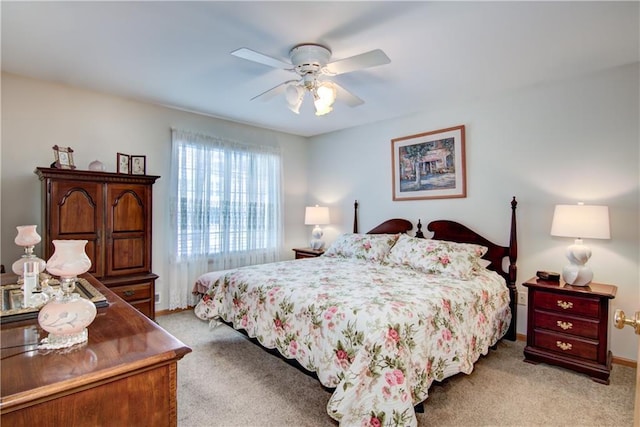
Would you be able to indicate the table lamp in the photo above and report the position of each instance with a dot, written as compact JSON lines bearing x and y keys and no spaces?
{"x":67,"y":316}
{"x":28,"y":238}
{"x":580,"y":221}
{"x":316,"y":215}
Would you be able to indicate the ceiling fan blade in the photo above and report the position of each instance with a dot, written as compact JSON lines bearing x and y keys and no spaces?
{"x":273,"y":92}
{"x":347,"y":97}
{"x":364,"y":60}
{"x":260,"y":58}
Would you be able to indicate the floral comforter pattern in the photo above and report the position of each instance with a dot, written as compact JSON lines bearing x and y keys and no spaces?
{"x":378,"y":334}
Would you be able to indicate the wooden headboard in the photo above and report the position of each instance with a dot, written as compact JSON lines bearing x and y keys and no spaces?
{"x":456,"y":232}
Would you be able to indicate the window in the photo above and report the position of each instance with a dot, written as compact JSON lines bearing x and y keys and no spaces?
{"x":228,"y":197}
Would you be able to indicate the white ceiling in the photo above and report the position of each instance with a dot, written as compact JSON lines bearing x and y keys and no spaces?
{"x":178,"y":53}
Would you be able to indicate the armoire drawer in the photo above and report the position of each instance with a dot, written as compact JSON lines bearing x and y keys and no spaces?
{"x":130,"y":293}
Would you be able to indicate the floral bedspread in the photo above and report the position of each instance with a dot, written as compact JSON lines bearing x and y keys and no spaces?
{"x":378,"y":334}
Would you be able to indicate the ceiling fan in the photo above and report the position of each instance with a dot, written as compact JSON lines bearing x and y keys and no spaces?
{"x":311,"y":62}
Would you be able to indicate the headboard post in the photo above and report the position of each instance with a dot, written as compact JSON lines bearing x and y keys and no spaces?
{"x":513,"y":243}
{"x":419,"y":233}
{"x":513,"y":269}
{"x":355,"y":216}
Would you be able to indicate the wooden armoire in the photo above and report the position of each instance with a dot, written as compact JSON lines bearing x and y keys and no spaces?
{"x":113,"y":212}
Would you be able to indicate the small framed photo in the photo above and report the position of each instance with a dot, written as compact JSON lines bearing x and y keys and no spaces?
{"x":138,"y":165}
{"x":123,"y":163}
{"x":64,"y":157}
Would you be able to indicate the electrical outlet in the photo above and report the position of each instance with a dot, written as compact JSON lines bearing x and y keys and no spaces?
{"x":522,"y":298}
{"x":157,"y":298}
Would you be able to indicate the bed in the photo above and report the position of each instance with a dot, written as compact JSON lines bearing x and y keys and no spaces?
{"x":380,"y":316}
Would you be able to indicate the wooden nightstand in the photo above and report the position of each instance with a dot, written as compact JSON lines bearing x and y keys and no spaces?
{"x":307,"y":252}
{"x":567,"y":326}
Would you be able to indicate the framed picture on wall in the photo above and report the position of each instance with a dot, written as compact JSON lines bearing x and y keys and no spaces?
{"x":123,"y":163}
{"x":429,"y":165}
{"x":64,"y":157}
{"x":138,"y":165}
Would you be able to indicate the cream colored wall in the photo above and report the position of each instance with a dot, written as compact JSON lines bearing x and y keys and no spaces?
{"x":569,"y":141}
{"x":37,"y":115}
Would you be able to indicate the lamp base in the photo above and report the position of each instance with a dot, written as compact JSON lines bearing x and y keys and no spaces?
{"x":316,"y":238}
{"x":577,"y":275}
{"x":316,"y":244}
{"x":53,"y":341}
{"x":66,"y":319}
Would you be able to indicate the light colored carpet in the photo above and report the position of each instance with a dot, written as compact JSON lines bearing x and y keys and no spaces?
{"x":227,"y":381}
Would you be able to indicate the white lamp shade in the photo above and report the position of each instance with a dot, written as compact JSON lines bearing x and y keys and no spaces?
{"x":581,"y":221}
{"x":316,"y":215}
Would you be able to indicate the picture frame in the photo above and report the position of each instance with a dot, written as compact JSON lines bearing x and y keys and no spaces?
{"x":138,"y":165}
{"x":64,"y":157}
{"x":123,"y":163}
{"x":429,"y":165}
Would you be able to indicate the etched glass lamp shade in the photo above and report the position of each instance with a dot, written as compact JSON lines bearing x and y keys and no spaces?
{"x":28,"y":238}
{"x":67,"y":316}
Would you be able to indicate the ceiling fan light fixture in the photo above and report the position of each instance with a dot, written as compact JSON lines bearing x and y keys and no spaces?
{"x":324,"y":97}
{"x":294,"y":95}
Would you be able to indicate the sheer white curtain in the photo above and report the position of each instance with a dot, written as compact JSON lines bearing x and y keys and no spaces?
{"x":226,"y":209}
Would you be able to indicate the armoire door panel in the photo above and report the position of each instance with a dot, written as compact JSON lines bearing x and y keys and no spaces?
{"x":129,"y":219}
{"x":128,"y":208}
{"x":129,"y":254}
{"x":76,"y":214}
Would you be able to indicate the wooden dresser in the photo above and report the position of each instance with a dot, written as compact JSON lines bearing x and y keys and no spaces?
{"x":125,"y":374}
{"x":568,"y":326}
{"x":112,"y":212}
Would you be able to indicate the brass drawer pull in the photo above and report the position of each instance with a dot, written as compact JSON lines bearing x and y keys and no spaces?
{"x":563,"y":345}
{"x":564,"y":325}
{"x":129,"y":293}
{"x":565,"y":304}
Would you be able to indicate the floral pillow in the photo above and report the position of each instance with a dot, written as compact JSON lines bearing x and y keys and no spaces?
{"x":369,"y":247}
{"x":437,"y":256}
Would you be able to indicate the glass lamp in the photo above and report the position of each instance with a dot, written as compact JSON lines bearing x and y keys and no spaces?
{"x":580,"y":221}
{"x":28,"y":238}
{"x":324,"y":97}
{"x":294,"y":95}
{"x":67,"y":315}
{"x":316,"y":215}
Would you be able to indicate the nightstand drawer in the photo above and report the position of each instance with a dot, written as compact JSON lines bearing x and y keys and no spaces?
{"x":564,"y":344}
{"x":568,"y":304}
{"x":582,"y":327}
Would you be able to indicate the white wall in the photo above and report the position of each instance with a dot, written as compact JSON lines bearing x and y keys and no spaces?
{"x":570,"y":141}
{"x":37,"y":115}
